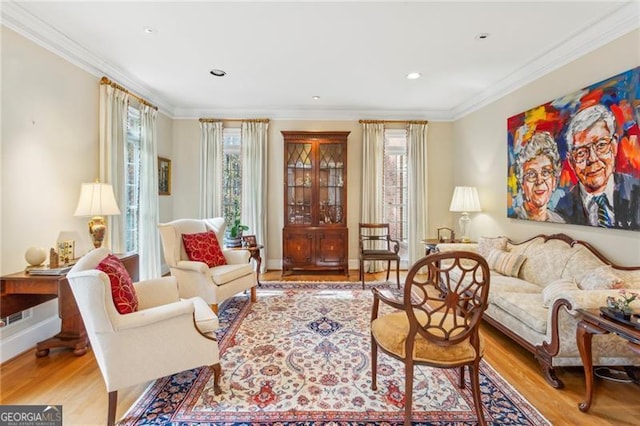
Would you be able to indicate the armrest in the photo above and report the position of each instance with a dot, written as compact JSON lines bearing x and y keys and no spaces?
{"x":388,"y":298}
{"x":235,"y":257}
{"x":156,"y":292}
{"x":396,"y":247}
{"x":190,"y":265}
{"x":591,"y":299}
{"x":153,"y":315}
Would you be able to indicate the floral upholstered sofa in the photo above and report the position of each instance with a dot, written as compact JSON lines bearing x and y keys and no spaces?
{"x":537,"y":286}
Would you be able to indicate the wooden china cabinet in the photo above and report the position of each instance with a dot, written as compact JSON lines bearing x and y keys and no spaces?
{"x":315,"y":235}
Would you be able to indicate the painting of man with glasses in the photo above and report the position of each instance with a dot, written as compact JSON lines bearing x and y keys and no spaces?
{"x":602,"y":196}
{"x":576,"y":159}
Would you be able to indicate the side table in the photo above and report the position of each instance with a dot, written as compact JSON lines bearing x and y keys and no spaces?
{"x":592,"y":322}
{"x":431,"y":243}
{"x":254,"y":253}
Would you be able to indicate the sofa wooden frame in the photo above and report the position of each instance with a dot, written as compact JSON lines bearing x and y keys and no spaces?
{"x":545,"y":352}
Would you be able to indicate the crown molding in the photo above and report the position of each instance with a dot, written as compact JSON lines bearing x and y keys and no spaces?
{"x":592,"y":36}
{"x":313,"y":114}
{"x":15,"y":17}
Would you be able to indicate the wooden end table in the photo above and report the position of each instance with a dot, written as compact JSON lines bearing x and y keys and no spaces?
{"x":254,"y":253}
{"x":593,"y":322}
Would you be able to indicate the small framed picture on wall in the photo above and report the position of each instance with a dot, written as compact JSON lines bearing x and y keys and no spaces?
{"x":164,"y":176}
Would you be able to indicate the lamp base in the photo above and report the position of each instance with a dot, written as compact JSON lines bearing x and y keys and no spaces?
{"x":97,"y":229}
{"x":463,"y":222}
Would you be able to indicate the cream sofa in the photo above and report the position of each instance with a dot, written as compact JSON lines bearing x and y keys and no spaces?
{"x":561,"y":265}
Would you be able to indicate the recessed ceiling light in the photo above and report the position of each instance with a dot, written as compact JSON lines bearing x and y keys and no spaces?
{"x":150,"y":30}
{"x":413,"y":75}
{"x":315,"y":98}
{"x":217,"y":72}
{"x":482,"y":36}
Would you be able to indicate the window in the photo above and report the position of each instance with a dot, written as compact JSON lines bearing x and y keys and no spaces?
{"x":132,"y":179}
{"x":395,"y":186}
{"x":231,"y":174}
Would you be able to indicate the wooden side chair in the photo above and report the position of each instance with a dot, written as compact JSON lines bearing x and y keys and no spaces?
{"x":436,"y":323}
{"x":375,"y":244}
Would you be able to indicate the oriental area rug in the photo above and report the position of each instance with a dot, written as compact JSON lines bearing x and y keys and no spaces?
{"x":300,"y":355}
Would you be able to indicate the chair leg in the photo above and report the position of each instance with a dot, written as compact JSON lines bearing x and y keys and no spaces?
{"x":388,"y":268}
{"x":253,"y":295}
{"x":217,"y":373}
{"x":475,"y":388}
{"x":461,"y":378}
{"x":408,"y":390}
{"x":398,"y":273}
{"x":362,"y":272}
{"x":374,"y":363}
{"x":214,"y":308}
{"x":111,"y":411}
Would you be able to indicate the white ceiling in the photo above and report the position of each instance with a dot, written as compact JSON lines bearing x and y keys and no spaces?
{"x":353,"y":54}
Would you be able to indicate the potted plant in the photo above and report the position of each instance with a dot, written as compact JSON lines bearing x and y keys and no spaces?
{"x":233,"y":237}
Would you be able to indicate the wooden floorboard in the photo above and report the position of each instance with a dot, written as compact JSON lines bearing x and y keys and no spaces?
{"x":76,"y":384}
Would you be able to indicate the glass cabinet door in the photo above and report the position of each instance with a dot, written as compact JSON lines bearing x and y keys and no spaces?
{"x":299,"y":183}
{"x":331,"y":179}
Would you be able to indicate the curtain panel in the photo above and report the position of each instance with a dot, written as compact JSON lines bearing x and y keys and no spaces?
{"x":148,"y":216}
{"x":417,"y":215}
{"x":211,"y":154}
{"x":112,"y":151}
{"x":254,"y":181}
{"x":372,"y":208}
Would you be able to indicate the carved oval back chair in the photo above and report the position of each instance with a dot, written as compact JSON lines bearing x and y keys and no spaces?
{"x":436,"y":322}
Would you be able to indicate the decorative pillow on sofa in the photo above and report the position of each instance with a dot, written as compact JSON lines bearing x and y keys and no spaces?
{"x":504,"y":262}
{"x":204,"y":247}
{"x":601,"y":278}
{"x":553,"y":290}
{"x":122,"y":290}
{"x":485,"y":244}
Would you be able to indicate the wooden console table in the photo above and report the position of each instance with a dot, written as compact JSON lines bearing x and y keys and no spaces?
{"x":592,"y":322}
{"x":22,"y":291}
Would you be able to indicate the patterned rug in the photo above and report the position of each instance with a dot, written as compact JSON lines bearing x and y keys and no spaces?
{"x":300,"y":355}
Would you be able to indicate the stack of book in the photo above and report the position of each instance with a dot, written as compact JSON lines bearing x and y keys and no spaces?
{"x":45,"y":270}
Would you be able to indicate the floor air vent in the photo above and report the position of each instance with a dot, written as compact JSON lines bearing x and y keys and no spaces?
{"x":12,"y":319}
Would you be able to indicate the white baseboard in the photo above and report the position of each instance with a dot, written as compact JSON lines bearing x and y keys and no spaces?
{"x":26,"y":339}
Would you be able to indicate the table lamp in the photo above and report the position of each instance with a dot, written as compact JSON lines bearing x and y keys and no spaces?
{"x":97,"y":200}
{"x":465,"y":200}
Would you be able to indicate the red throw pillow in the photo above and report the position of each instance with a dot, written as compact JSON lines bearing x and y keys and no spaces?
{"x":204,"y":247}
{"x":122,"y":290}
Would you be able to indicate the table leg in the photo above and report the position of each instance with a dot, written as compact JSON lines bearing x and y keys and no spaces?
{"x":72,"y":332}
{"x":584,"y":334}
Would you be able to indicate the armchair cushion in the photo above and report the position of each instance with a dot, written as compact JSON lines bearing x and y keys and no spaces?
{"x":122,"y":290}
{"x":204,"y":247}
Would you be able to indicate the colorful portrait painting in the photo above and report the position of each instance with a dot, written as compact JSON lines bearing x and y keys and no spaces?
{"x":576,"y":159}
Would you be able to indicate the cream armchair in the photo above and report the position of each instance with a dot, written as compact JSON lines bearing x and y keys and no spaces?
{"x":215,"y":284}
{"x":164,"y":336}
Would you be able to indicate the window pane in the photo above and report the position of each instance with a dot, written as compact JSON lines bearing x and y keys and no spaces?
{"x":395,"y":186}
{"x":231,"y":174}
{"x":132,"y":179}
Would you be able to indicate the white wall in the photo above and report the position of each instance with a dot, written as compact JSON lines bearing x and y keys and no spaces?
{"x":186,"y":175}
{"x":480,"y":155}
{"x":49,"y":146}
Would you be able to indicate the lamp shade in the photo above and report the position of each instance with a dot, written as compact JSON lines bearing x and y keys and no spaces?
{"x":465,"y":199}
{"x":96,"y":199}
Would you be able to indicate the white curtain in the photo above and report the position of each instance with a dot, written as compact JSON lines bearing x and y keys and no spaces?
{"x":211,"y":154}
{"x":417,"y":216}
{"x":372,"y":208}
{"x":148,"y":235}
{"x":254,"y":181}
{"x":113,"y":134}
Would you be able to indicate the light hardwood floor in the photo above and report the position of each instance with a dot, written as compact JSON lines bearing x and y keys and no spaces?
{"x":76,"y":383}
